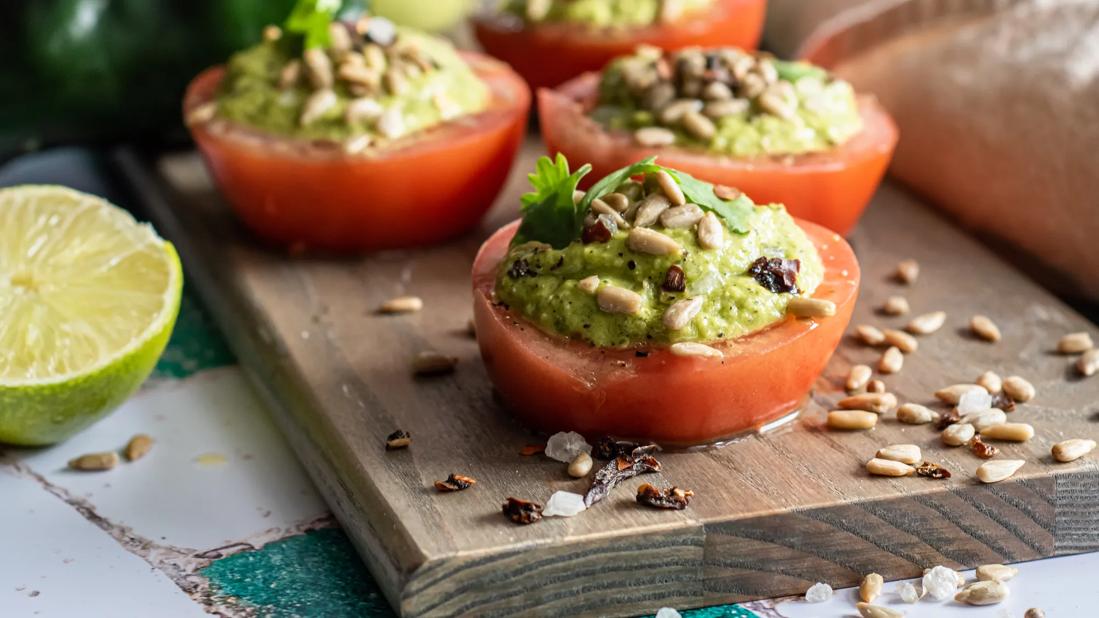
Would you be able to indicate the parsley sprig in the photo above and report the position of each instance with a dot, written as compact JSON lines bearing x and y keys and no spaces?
{"x":309,"y":19}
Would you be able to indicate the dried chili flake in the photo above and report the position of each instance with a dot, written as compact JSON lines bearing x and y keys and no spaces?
{"x":532,"y":449}
{"x":397,"y":440}
{"x":600,"y":231}
{"x":455,"y":482}
{"x":522,"y":512}
{"x":521,"y":268}
{"x":947,"y":419}
{"x":675,"y":280}
{"x":981,"y":448}
{"x":671,"y":498}
{"x":623,"y":467}
{"x":776,"y":274}
{"x":1003,"y":401}
{"x":607,"y":448}
{"x":932,"y":471}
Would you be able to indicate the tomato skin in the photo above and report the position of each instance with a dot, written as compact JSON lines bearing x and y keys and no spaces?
{"x":548,"y":54}
{"x":436,"y":186}
{"x":554,"y":384}
{"x":830,"y":188}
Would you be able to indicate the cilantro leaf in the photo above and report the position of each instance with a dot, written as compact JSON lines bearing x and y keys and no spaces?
{"x":549,"y":214}
{"x":310,"y":19}
{"x":735,"y":213}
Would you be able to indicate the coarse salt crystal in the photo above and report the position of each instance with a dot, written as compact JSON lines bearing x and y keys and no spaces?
{"x":818,"y":593}
{"x":564,"y":504}
{"x":974,"y":400}
{"x":564,"y":446}
{"x":941,"y":583}
{"x":908,"y":593}
{"x":667,"y":612}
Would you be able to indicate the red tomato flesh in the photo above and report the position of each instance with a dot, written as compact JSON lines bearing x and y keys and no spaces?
{"x":554,"y":384}
{"x":548,"y":54}
{"x":830,"y":188}
{"x":422,"y":189}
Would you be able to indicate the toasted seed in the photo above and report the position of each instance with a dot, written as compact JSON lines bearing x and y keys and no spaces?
{"x":927,"y":323}
{"x":1072,"y":449}
{"x":905,"y":343}
{"x":613,"y":299}
{"x":953,"y":394}
{"x":690,"y":348}
{"x":991,"y":382}
{"x":318,"y":68}
{"x":803,"y":307}
{"x":895,"y":305}
{"x":875,"y":386}
{"x":1034,"y":612}
{"x":317,"y":105}
{"x":1088,"y":363}
{"x":432,"y":363}
{"x":138,"y":447}
{"x":904,"y":453}
{"x":681,"y":217}
{"x":858,"y":377}
{"x":891,"y":360}
{"x":290,"y":74}
{"x":1075,"y":343}
{"x":983,"y":419}
{"x":995,"y":572}
{"x":908,"y":271}
{"x":402,"y":304}
{"x":1009,"y":432}
{"x":871,"y":587}
{"x":717,"y":91}
{"x":581,"y":465}
{"x":888,"y":467}
{"x":654,"y":136}
{"x":915,"y":414}
{"x":958,"y":434}
{"x":588,"y":285}
{"x":852,"y":420}
{"x":727,"y":107}
{"x":94,"y":462}
{"x":651,"y":242}
{"x":985,"y":328}
{"x":870,"y":335}
{"x":1018,"y":389}
{"x":617,"y":201}
{"x":982,"y":593}
{"x":681,"y":312}
{"x":998,"y":469}
{"x":673,"y":112}
{"x":599,"y":207}
{"x":878,"y":403}
{"x":650,"y":209}
{"x":867,"y":610}
{"x":670,"y":187}
{"x":711,"y":234}
{"x":773,"y":101}
{"x":698,"y":125}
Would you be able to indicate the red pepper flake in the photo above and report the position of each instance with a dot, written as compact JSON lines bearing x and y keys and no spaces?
{"x":948,"y":418}
{"x":455,"y":482}
{"x":776,"y":274}
{"x":397,"y":440}
{"x":532,"y":449}
{"x":607,"y":448}
{"x":1003,"y":401}
{"x":671,"y":498}
{"x":522,"y":512}
{"x":675,"y":280}
{"x":600,"y":231}
{"x":932,"y":471}
{"x":624,"y":467}
{"x":981,"y":448}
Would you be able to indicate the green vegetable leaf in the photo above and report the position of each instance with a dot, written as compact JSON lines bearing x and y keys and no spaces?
{"x":549,"y":214}
{"x":735,"y":213}
{"x":310,"y":19}
{"x":793,"y":70}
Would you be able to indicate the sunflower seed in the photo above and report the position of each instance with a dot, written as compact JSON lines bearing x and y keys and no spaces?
{"x":290,"y":74}
{"x":1072,"y":449}
{"x":654,"y":137}
{"x":927,"y":323}
{"x":339,"y":39}
{"x":317,"y":105}
{"x":94,"y":462}
{"x":318,"y":68}
{"x":777,"y":101}
{"x":729,"y":107}
{"x":1075,"y":343}
{"x":888,"y":467}
{"x":1009,"y":432}
{"x":673,"y":112}
{"x":1034,"y":612}
{"x":985,"y":328}
{"x":690,"y":348}
{"x":717,"y":91}
{"x":138,"y":447}
{"x":1018,"y":389}
{"x":681,"y":217}
{"x":588,"y":285}
{"x":895,"y":305}
{"x":995,"y":573}
{"x":803,"y":307}
{"x":394,"y":81}
{"x":904,"y":453}
{"x":915,"y":414}
{"x":698,"y":126}
{"x":953,"y":394}
{"x":998,"y":469}
{"x":1088,"y":363}
{"x":681,"y":312}
{"x":402,"y":304}
{"x":858,"y":377}
{"x":651,"y":242}
{"x":908,"y":271}
{"x":619,"y":202}
{"x":613,"y":299}
{"x":670,"y":188}
{"x":650,"y":210}
{"x":599,"y":207}
{"x":891,"y":360}
{"x":905,"y":343}
{"x":202,"y":114}
{"x":711,"y":234}
{"x":870,"y":335}
{"x":870,"y":587}
{"x":432,"y":363}
{"x":581,"y":466}
{"x":852,"y":420}
{"x":991,"y":382}
{"x":982,"y":593}
{"x":958,"y":434}
{"x":867,"y":610}
{"x":875,"y":386}
{"x":727,"y":193}
{"x":878,"y":403}
{"x":358,"y":74}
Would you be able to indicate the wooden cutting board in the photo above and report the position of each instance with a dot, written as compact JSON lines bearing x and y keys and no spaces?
{"x":772,"y":514}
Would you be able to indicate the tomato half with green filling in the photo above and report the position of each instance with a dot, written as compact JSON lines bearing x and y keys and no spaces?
{"x":831,"y":188}
{"x":548,"y":54}
{"x":646,"y":393}
{"x":422,"y":189}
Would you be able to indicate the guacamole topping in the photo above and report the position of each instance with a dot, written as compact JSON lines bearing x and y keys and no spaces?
{"x":659,"y":261}
{"x":727,"y":101}
{"x":605,"y":13}
{"x":369,"y":83}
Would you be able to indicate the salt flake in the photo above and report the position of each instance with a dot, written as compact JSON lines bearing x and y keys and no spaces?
{"x":818,"y":593}
{"x":565,"y":446}
{"x":564,"y":504}
{"x":974,"y":400}
{"x":941,"y":583}
{"x":908,"y":593}
{"x":667,"y":612}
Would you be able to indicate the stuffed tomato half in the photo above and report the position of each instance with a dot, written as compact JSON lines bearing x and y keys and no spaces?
{"x":651,"y":307}
{"x":376,"y":137}
{"x":550,"y":41}
{"x":784,"y":132}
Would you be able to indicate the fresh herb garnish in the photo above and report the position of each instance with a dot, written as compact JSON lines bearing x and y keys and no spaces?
{"x":549,"y":214}
{"x":734,"y":213}
{"x":310,"y":19}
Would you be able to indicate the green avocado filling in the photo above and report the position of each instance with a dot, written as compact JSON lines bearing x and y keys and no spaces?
{"x":727,"y":101}
{"x":604,"y":13}
{"x":561,"y":283}
{"x":355,"y":89}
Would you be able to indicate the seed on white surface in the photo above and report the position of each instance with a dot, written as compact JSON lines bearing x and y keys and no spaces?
{"x":858,"y":377}
{"x":915,"y":414}
{"x":888,"y":467}
{"x":904,"y":453}
{"x":905,"y":342}
{"x":852,"y":420}
{"x":870,"y":335}
{"x":891,"y":360}
{"x":895,"y":305}
{"x":985,"y":328}
{"x":1072,"y":449}
{"x":871,"y":402}
{"x":564,"y":446}
{"x":1009,"y":432}
{"x":1075,"y":343}
{"x":996,"y":572}
{"x":927,"y":323}
{"x":952,"y":394}
{"x":991,"y":382}
{"x":998,"y":469}
{"x":870,"y":587}
{"x":691,"y":348}
{"x":94,"y":462}
{"x":958,"y":434}
{"x":983,"y":593}
{"x":564,"y":504}
{"x":1088,"y":363}
{"x":1034,"y":612}
{"x":866,"y":610}
{"x":908,"y":271}
{"x":818,"y":593}
{"x":138,"y":447}
{"x":1018,"y":389}
{"x":941,"y":582}
{"x":402,"y":304}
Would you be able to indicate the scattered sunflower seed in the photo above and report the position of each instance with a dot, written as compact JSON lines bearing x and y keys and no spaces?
{"x":870,"y":335}
{"x":903,"y":341}
{"x":651,"y":242}
{"x":870,"y":587}
{"x":866,"y":610}
{"x":1009,"y":432}
{"x":875,"y":386}
{"x":895,"y":305}
{"x":1034,"y":612}
{"x":432,"y":363}
{"x":905,"y":453}
{"x":915,"y":414}
{"x":681,"y":217}
{"x":984,"y":419}
{"x":953,"y":394}
{"x":958,"y":434}
{"x":670,"y":187}
{"x":1018,"y":389}
{"x":402,"y":304}
{"x":879,"y":403}
{"x":852,"y":420}
{"x":891,"y":360}
{"x":138,"y":447}
{"x":397,"y":440}
{"x":888,"y":467}
{"x":711,"y":233}
{"x":997,"y":470}
{"x":94,"y":462}
{"x":1072,"y":449}
{"x":1088,"y":363}
{"x":650,"y":209}
{"x":985,"y":328}
{"x":927,"y":323}
{"x":982,"y":593}
{"x":1075,"y":343}
{"x":588,"y":285}
{"x":613,"y":299}
{"x":996,"y":572}
{"x":991,"y":382}
{"x":680,"y":313}
{"x":908,"y":271}
{"x":858,"y":377}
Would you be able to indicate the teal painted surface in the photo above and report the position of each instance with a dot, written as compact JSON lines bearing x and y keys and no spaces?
{"x":721,"y":611}
{"x":196,"y":343}
{"x":313,"y":574}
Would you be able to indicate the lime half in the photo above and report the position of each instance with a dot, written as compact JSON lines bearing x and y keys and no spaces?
{"x":88,"y":299}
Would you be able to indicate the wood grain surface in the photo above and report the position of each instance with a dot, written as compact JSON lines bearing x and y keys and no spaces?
{"x":772,"y":514}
